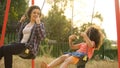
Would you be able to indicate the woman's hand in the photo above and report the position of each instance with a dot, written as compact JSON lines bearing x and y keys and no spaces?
{"x":22,"y":18}
{"x":38,"y":20}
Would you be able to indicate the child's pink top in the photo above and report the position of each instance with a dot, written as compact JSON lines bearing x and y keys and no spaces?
{"x":86,"y":49}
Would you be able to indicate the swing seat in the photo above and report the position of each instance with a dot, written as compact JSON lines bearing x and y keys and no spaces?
{"x":81,"y":63}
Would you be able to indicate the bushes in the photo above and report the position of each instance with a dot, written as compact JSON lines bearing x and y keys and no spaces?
{"x":54,"y":50}
{"x":58,"y":48}
{"x":111,"y":54}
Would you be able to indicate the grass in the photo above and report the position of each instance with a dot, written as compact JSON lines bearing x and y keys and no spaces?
{"x":22,"y":63}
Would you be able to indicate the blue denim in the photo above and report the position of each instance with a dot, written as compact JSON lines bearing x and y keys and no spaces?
{"x":77,"y":54}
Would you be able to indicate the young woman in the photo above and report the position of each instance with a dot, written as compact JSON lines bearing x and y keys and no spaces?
{"x":30,"y":35}
{"x":92,"y":37}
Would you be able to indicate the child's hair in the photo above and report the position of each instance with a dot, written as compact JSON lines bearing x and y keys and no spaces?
{"x":95,"y":34}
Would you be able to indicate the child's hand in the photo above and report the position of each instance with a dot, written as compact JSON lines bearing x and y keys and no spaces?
{"x":72,"y":37}
{"x":83,"y":34}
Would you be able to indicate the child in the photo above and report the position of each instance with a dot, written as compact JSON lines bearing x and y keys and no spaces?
{"x":92,"y":37}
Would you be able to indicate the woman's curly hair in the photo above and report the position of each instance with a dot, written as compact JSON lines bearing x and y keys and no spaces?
{"x":95,"y":34}
{"x":30,"y":9}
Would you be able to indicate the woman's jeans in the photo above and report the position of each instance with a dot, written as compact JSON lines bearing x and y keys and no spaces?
{"x":7,"y":51}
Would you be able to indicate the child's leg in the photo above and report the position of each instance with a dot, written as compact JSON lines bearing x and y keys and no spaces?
{"x":43,"y":65}
{"x":58,"y":61}
{"x":70,"y":60}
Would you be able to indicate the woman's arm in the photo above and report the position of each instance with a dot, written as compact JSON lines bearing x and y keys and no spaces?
{"x":23,"y":18}
{"x":20,"y":22}
{"x":40,"y":29}
{"x":40,"y":32}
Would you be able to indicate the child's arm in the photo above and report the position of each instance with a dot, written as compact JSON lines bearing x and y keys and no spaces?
{"x":71,"y":39}
{"x":87,"y":40}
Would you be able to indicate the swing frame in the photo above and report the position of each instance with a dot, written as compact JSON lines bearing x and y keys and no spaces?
{"x":117,"y":10}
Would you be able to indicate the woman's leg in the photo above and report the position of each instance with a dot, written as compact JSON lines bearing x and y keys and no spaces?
{"x":8,"y":50}
{"x":1,"y":54}
{"x":58,"y":61}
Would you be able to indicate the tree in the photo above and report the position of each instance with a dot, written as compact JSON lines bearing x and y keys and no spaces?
{"x":57,"y":26}
{"x":2,"y":8}
{"x":17,"y":9}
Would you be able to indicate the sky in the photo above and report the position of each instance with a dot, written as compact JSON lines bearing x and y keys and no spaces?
{"x":83,"y":12}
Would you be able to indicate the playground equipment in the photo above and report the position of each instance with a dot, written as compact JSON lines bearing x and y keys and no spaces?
{"x":5,"y":22}
{"x":117,"y":9}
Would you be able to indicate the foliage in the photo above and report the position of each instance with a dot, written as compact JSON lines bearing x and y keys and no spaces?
{"x":106,"y":50}
{"x":61,"y":3}
{"x":46,"y":50}
{"x":57,"y":26}
{"x":2,"y":8}
{"x":17,"y":9}
{"x":55,"y":30}
{"x":98,"y":15}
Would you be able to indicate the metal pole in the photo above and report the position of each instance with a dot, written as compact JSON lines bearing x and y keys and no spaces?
{"x":93,"y":11}
{"x":32,"y":2}
{"x":43,"y":5}
{"x":72,"y":16}
{"x":117,"y":9}
{"x":33,"y":62}
{"x":5,"y":22}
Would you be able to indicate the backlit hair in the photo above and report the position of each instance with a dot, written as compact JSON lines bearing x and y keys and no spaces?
{"x":95,"y":34}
